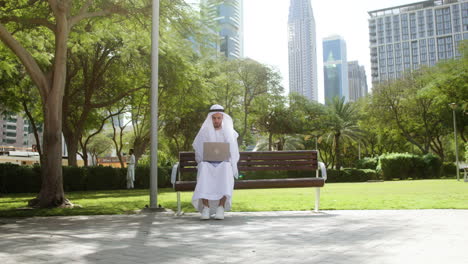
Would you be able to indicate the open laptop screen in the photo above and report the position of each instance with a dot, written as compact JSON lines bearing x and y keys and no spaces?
{"x":216,"y":151}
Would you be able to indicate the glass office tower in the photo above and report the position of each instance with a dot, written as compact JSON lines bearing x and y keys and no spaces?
{"x":228,"y":15}
{"x":335,"y":68}
{"x":302,"y":50}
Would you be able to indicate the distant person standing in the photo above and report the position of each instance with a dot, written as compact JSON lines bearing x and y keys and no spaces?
{"x":130,"y":170}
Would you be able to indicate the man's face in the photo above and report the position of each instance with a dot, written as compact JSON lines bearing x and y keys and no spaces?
{"x":217,"y":120}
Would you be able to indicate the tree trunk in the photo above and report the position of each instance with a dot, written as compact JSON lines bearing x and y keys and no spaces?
{"x":139,"y":147}
{"x":51,"y":193}
{"x":270,"y":141}
{"x":337,"y":152}
{"x":72,"y":147}
{"x":36,"y":133}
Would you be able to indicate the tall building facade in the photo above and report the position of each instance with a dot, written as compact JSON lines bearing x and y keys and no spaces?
{"x":302,"y":49}
{"x":357,"y":81}
{"x":15,"y":131}
{"x":403,"y":38}
{"x":335,"y":68}
{"x":228,"y":15}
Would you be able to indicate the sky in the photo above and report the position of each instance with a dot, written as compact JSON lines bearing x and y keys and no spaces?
{"x":266,"y":39}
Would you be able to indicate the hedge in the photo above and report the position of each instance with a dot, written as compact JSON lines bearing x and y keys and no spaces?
{"x":404,"y":166}
{"x":367,"y":163}
{"x":345,"y":175}
{"x":21,"y":179}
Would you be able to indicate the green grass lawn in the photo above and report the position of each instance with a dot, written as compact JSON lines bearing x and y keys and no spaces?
{"x":421,"y":194}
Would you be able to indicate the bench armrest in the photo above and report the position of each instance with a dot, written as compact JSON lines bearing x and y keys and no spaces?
{"x":175,"y":169}
{"x":323,"y":169}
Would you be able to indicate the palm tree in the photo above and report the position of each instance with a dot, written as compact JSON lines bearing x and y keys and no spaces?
{"x":341,"y":123}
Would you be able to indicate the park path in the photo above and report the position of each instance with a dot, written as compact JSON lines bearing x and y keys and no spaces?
{"x":329,"y":237}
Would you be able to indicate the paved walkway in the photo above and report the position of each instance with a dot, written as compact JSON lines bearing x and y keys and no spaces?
{"x":387,"y":236}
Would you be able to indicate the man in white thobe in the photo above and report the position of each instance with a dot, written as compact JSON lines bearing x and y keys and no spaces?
{"x":215,"y":180}
{"x":130,"y":169}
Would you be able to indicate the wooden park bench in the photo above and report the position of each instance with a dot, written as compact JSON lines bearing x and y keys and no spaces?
{"x":259,"y":161}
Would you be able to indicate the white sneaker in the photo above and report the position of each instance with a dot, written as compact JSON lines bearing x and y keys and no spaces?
{"x":219,"y":213}
{"x":205,"y":213}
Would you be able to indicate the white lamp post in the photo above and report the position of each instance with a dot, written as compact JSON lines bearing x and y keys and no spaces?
{"x":154,"y":106}
{"x":454,"y":106}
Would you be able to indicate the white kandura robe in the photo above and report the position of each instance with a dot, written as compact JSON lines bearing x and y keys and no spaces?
{"x":213,"y":180}
{"x":130,"y":171}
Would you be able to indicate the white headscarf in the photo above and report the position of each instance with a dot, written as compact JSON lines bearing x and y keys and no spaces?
{"x":207,"y":134}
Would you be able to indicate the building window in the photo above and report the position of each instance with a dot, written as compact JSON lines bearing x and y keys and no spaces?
{"x":421,"y":24}
{"x":388,"y":29}
{"x":465,"y":16}
{"x":10,"y":134}
{"x":404,"y":27}
{"x":457,"y":39}
{"x":412,"y":24}
{"x":396,"y":28}
{"x":443,"y":21}
{"x":423,"y":51}
{"x":432,"y":51}
{"x":445,"y":48}
{"x":380,"y":31}
{"x":415,"y":54}
{"x":430,"y":23}
{"x":456,"y":18}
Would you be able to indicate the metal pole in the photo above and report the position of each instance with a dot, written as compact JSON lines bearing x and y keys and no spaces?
{"x":456,"y":144}
{"x":154,"y":106}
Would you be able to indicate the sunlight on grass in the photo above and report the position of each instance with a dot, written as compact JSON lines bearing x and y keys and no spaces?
{"x":422,"y":194}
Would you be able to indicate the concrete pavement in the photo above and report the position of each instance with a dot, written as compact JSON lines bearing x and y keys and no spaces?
{"x":329,"y":237}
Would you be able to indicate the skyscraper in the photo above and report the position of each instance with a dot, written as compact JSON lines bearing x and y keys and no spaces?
{"x":302,"y":50}
{"x":403,"y":38}
{"x":335,"y":68}
{"x":357,"y":81}
{"x":228,"y":15}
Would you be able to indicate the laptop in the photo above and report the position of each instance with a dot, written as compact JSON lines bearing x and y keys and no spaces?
{"x":216,"y":151}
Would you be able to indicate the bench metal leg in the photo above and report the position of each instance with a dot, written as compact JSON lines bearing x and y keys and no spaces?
{"x":178,"y":204}
{"x":317,"y":199}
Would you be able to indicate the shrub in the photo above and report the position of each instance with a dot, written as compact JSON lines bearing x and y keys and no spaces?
{"x":449,"y":169}
{"x":368,"y":163}
{"x":74,"y":178}
{"x":345,"y":175}
{"x":405,"y":165}
{"x":15,"y":178}
{"x":21,"y":179}
{"x":351,"y":175}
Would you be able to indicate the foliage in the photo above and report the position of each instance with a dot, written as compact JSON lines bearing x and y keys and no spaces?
{"x":341,"y":125}
{"x":100,"y":145}
{"x":368,"y":163}
{"x":21,"y":179}
{"x":405,"y":165}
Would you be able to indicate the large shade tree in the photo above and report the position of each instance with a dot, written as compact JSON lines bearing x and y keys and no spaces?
{"x":59,"y":17}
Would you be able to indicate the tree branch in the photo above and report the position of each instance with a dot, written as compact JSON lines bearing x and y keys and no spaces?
{"x":74,"y":20}
{"x":116,"y":99}
{"x":27,"y":60}
{"x":29,"y":21}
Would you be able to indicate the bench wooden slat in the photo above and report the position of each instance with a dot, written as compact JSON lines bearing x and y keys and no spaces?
{"x":272,"y":168}
{"x":242,"y":163}
{"x":266,"y":168}
{"x":267,"y":155}
{"x":256,"y":163}
{"x":260,"y":184}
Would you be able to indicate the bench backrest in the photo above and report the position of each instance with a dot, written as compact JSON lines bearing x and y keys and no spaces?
{"x":261,"y":161}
